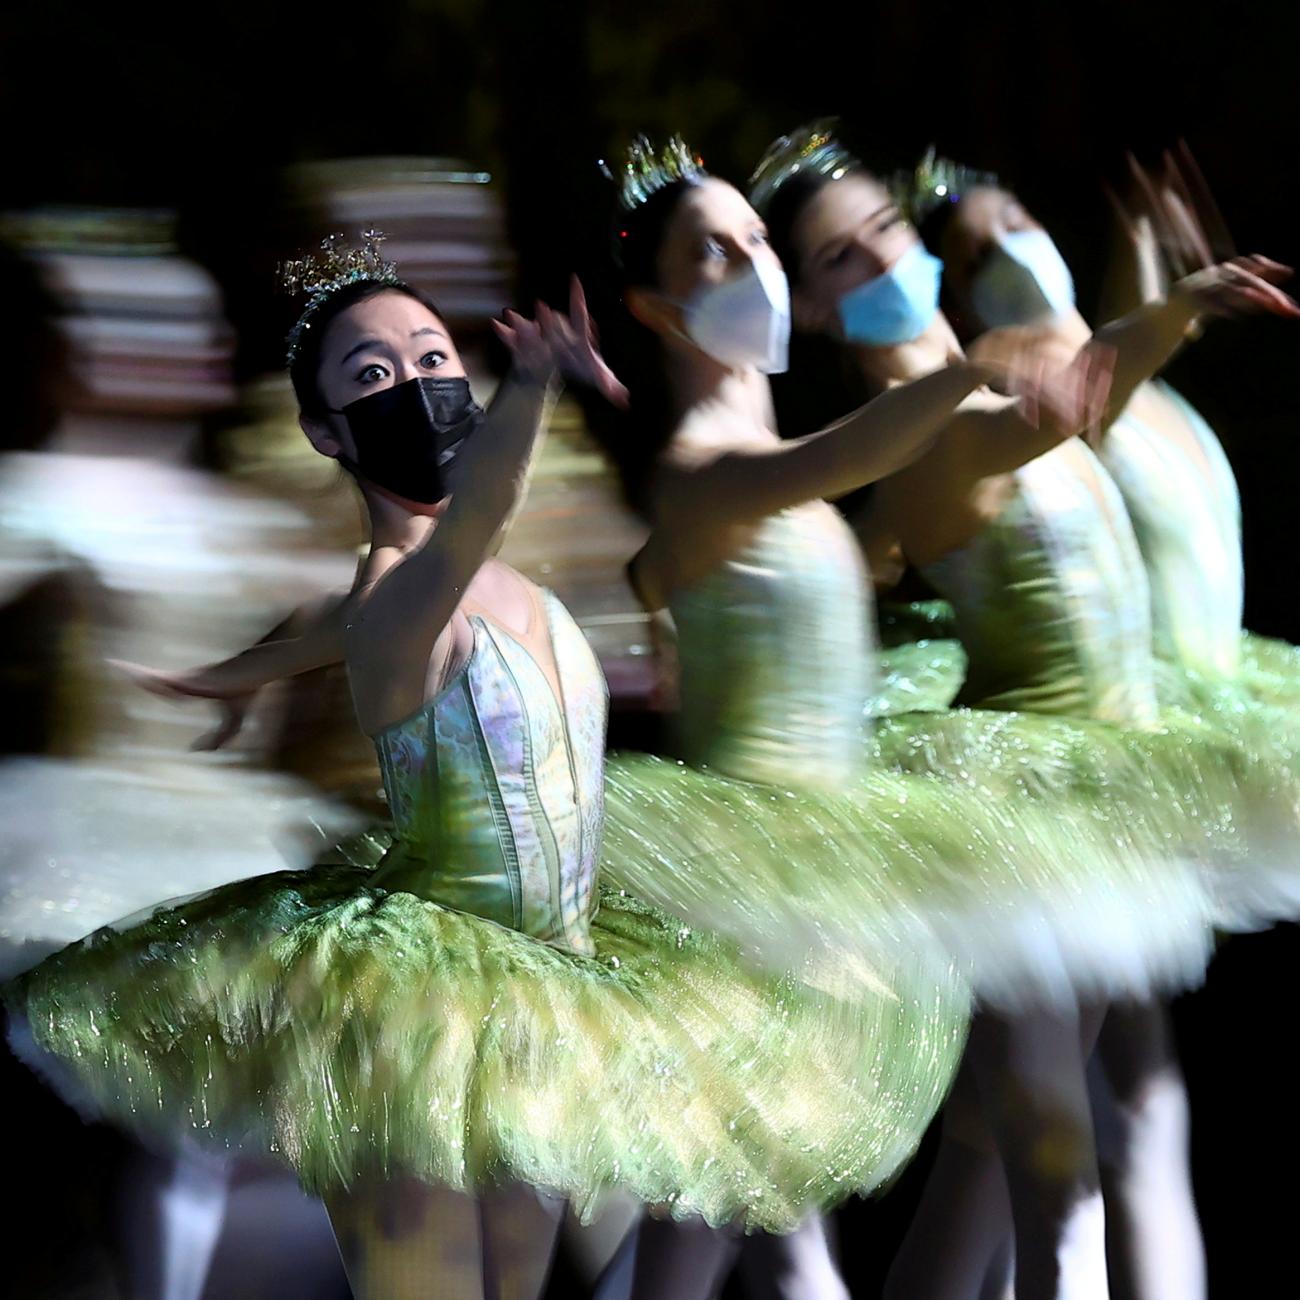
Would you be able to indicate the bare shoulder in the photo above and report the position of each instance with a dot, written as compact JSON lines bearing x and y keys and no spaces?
{"x":503,"y":592}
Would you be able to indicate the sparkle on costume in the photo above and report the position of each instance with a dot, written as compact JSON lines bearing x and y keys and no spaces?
{"x":935,"y":181}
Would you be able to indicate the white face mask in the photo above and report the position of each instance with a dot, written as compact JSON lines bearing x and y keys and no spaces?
{"x":745,"y":320}
{"x":1025,"y":280}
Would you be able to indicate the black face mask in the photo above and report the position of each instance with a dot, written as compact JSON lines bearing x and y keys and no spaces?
{"x":407,"y":435}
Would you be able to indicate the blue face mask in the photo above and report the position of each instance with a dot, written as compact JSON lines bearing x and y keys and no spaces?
{"x":895,"y":307}
{"x":1025,"y":280}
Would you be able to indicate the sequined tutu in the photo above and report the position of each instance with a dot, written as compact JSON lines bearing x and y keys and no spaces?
{"x":1257,"y":710}
{"x":922,"y":664}
{"x":832,"y":808}
{"x":350,"y":1031}
{"x":1052,"y":862}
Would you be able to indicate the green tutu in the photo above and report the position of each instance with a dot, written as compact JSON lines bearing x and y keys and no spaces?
{"x":922,"y":665}
{"x":1258,"y":707}
{"x":1257,"y":711}
{"x":1051,"y":862}
{"x":353,"y":1032}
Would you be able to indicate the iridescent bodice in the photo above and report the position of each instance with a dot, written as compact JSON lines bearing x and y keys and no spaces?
{"x":777,"y":655}
{"x":1187,"y":516}
{"x":1051,"y":598}
{"x":496,"y":785}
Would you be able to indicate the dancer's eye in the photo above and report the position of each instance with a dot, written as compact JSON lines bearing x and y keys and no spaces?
{"x":432,"y":360}
{"x":371,"y":374}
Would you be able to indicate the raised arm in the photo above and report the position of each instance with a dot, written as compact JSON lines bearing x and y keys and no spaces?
{"x":397,"y":622}
{"x":1145,"y":339}
{"x":874,"y":441}
{"x":1053,"y":393}
{"x":1135,"y":272}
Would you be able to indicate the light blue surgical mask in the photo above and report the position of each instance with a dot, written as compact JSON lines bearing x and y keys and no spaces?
{"x":1023,"y":281}
{"x":895,"y":307}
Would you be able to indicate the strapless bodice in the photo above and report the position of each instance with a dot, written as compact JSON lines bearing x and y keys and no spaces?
{"x":1186,"y":513}
{"x":777,"y":654}
{"x":1051,"y":598}
{"x":495,"y":785}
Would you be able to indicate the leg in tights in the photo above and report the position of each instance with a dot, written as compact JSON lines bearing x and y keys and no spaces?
{"x":405,"y":1240}
{"x":1017,"y":1152}
{"x":168,"y":1215}
{"x":796,"y":1266}
{"x":519,"y":1227}
{"x":603,"y":1251}
{"x":1031,"y":1075}
{"x":682,"y":1260}
{"x":999,"y":1281}
{"x":1140,"y":1104}
{"x":963,"y":1222}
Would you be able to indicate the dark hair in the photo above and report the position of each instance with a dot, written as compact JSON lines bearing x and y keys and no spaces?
{"x":932,"y":228}
{"x":783,"y":212}
{"x":304,"y":369}
{"x":822,"y":384}
{"x":633,"y":439}
{"x":934,"y":225}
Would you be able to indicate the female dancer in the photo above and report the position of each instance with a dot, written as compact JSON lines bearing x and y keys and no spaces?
{"x":770,"y":601}
{"x":779,"y":662}
{"x":1177,"y":484}
{"x":1008,"y":285}
{"x":1036,"y":555}
{"x":458,"y":1023}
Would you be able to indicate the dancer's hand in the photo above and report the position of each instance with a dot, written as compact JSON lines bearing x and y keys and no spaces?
{"x":1062,"y":398}
{"x":200,"y":683}
{"x":1173,"y":208}
{"x":1136,"y":274}
{"x":557,"y":342}
{"x":1237,"y":287}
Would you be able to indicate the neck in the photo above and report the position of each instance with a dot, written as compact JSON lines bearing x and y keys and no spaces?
{"x":393,"y":524}
{"x":697,"y":381}
{"x":884,"y":367}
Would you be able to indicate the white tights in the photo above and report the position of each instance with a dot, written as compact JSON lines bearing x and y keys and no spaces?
{"x":1141,"y":1114}
{"x":1018,"y":1147}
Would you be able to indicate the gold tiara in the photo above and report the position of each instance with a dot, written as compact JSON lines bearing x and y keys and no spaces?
{"x":645,"y":170}
{"x":812,"y":149}
{"x":321,"y":275}
{"x":936,"y":181}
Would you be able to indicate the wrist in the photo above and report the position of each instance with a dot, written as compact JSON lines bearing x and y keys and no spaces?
{"x":977,"y":374}
{"x":1181,"y":305}
{"x":539,"y":377}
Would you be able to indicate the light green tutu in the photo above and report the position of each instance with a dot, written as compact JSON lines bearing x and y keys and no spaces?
{"x":969,"y":831}
{"x":352,"y":1032}
{"x":922,"y":664}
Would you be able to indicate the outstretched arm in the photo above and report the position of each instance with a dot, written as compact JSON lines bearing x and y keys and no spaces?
{"x":1144,"y":340}
{"x":310,"y":637}
{"x":396,"y":624}
{"x":1062,"y":394}
{"x":876,"y":440}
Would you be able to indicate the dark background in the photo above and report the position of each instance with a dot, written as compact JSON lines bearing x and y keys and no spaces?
{"x":199,"y":107}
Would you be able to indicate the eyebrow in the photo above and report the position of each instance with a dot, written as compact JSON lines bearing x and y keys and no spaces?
{"x":374,"y":343}
{"x":887,"y":206}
